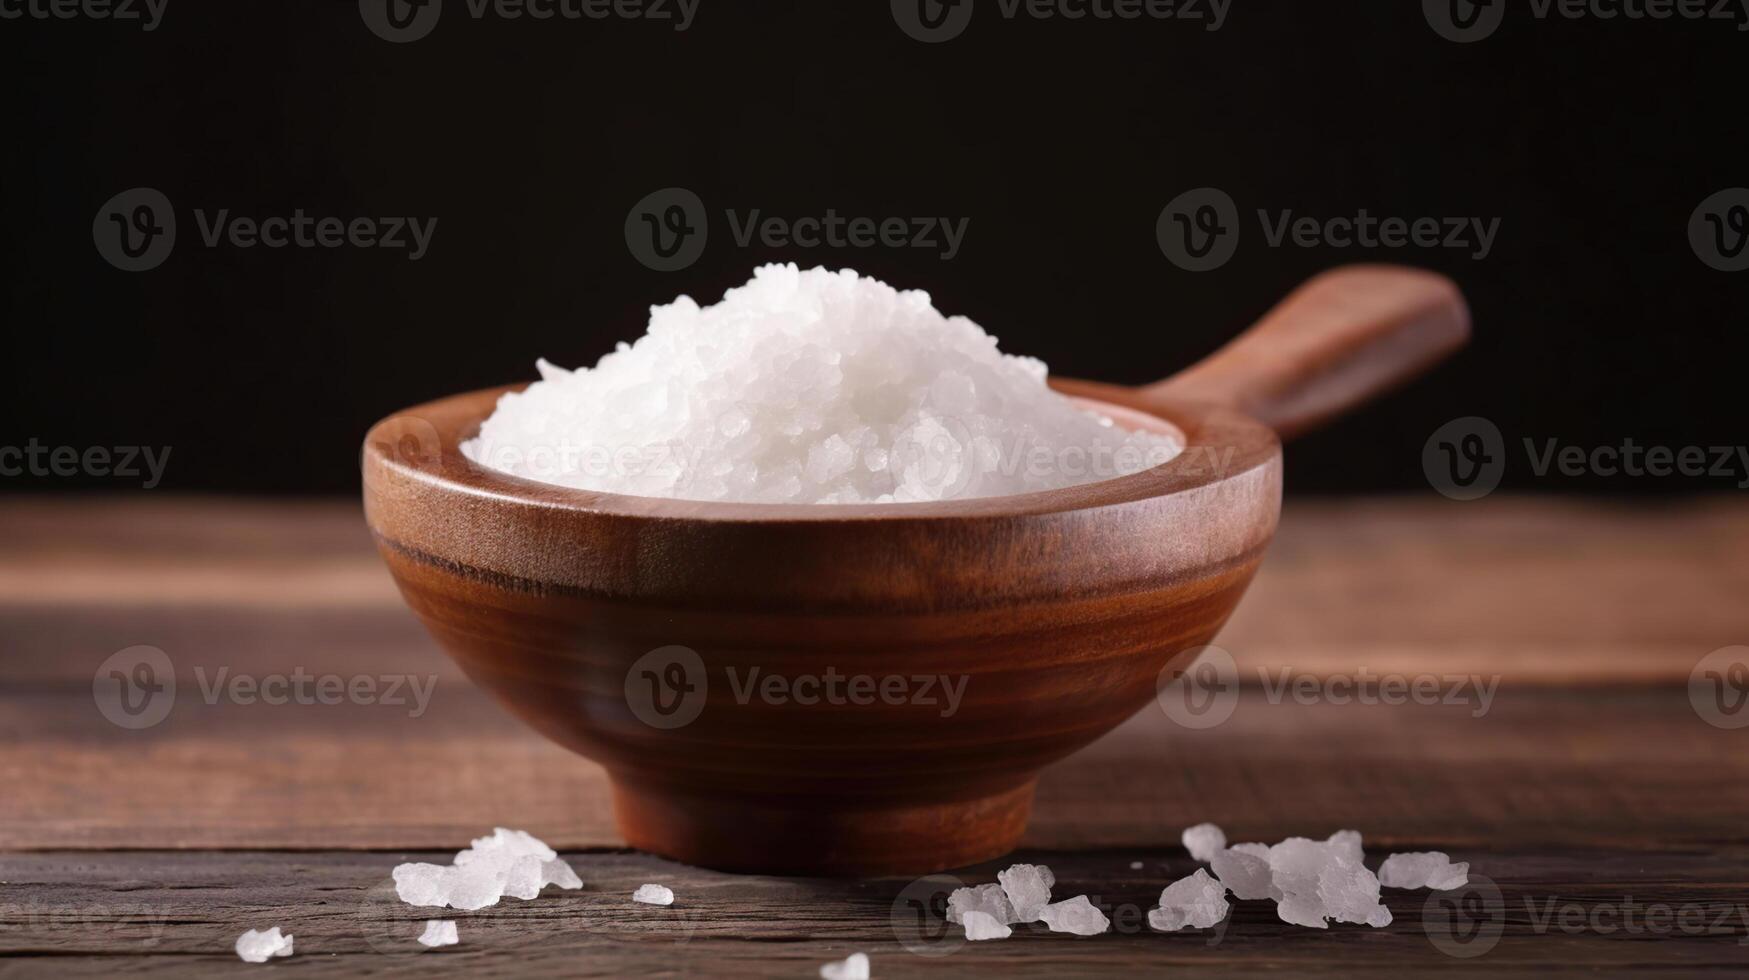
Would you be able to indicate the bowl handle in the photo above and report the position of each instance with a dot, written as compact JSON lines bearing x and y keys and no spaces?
{"x":1346,"y":336}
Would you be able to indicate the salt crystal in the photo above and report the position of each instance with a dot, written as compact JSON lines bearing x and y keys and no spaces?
{"x":439,"y":932}
{"x":1028,"y":887}
{"x":1196,"y":902}
{"x":1423,"y":869}
{"x":1244,"y":873}
{"x":1077,"y":915}
{"x":981,"y":926}
{"x":852,"y":967}
{"x":1135,"y":865}
{"x":422,"y":884}
{"x":1203,"y":841}
{"x":653,"y":895}
{"x":261,"y":945}
{"x":557,"y":872}
{"x":1257,"y":850}
{"x":808,"y":387}
{"x":989,"y":899}
{"x":1349,"y":841}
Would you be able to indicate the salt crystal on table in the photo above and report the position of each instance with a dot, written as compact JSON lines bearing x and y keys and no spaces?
{"x":1254,"y":849}
{"x":653,"y":895}
{"x":422,"y":884}
{"x":1318,"y":881}
{"x":1423,"y":869}
{"x":852,"y":967}
{"x":1028,"y":887}
{"x":989,"y":899}
{"x":982,"y":925}
{"x":1244,"y":873}
{"x":1135,"y":865}
{"x":261,"y":945}
{"x":557,"y":872}
{"x":439,"y":932}
{"x":1197,"y":902}
{"x":1349,"y":842}
{"x":1077,"y":915}
{"x":509,"y":862}
{"x":1203,"y":841}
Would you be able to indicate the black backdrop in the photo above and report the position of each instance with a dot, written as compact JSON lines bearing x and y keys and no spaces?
{"x":1060,"y":141}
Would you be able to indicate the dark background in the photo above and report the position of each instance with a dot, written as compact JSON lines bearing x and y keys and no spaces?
{"x":530,"y":140}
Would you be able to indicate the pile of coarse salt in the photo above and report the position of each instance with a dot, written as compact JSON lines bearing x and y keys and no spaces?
{"x":808,"y":387}
{"x":510,"y":862}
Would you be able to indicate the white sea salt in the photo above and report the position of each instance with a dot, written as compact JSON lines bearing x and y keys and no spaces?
{"x":1320,"y":881}
{"x":808,"y":387}
{"x":653,"y":895}
{"x":1076,"y":915}
{"x":261,"y":945}
{"x":1245,"y":873}
{"x":1028,"y":887}
{"x":1196,"y":902}
{"x":509,"y":862}
{"x":989,"y":899}
{"x":1423,"y":869}
{"x":852,"y":967}
{"x":439,"y":932}
{"x":981,"y":926}
{"x":1203,"y":840}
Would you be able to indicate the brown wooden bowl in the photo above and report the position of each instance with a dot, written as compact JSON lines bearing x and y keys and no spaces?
{"x":646,"y":633}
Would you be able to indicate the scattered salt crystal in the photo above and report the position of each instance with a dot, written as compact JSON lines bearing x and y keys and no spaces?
{"x":438,"y":932}
{"x":989,"y":899}
{"x":1076,"y":915}
{"x":1028,"y":887}
{"x":1423,"y":869}
{"x":852,"y":967}
{"x":1244,"y":873}
{"x":1257,"y":850}
{"x":509,"y":862}
{"x":1196,"y":902}
{"x":1203,"y":841}
{"x":261,"y":945}
{"x":653,"y":895}
{"x":808,"y":387}
{"x":982,"y":925}
{"x":1135,"y":865}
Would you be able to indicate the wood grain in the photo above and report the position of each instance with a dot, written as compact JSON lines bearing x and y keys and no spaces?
{"x":178,"y":913}
{"x":1589,"y":779}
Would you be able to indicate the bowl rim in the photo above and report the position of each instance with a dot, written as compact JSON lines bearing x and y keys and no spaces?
{"x":1219,"y":444}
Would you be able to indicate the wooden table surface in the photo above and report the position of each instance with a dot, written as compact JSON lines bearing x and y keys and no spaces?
{"x":1609,"y":815}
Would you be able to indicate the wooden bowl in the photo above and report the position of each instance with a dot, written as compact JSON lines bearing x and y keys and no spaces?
{"x":872,"y":689}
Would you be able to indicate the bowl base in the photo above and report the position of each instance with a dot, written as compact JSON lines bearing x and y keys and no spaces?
{"x":803,"y":835}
